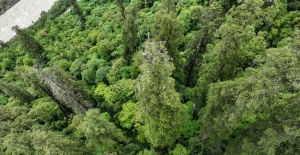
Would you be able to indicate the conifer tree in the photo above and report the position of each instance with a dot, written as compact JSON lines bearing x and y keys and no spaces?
{"x":63,"y":92}
{"x":235,"y":49}
{"x":79,"y":14}
{"x":159,"y":106}
{"x":120,"y":4}
{"x":13,"y":90}
{"x":129,"y":36}
{"x":169,"y":29}
{"x":209,"y":20}
{"x":32,"y":46}
{"x":56,"y":84}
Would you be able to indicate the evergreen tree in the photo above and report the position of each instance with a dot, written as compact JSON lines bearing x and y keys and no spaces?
{"x":230,"y":55}
{"x":129,"y":36}
{"x":13,"y":90}
{"x":63,"y":92}
{"x":59,"y":86}
{"x":246,"y":99}
{"x":160,"y":110}
{"x":120,"y":4}
{"x":32,"y":46}
{"x":208,"y":20}
{"x":255,"y":114}
{"x":101,"y":134}
{"x":79,"y":14}
{"x":170,"y":30}
{"x":50,"y":142}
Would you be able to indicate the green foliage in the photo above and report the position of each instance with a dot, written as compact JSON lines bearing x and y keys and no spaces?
{"x":99,"y":92}
{"x":234,"y":51}
{"x":159,"y":106}
{"x":15,"y":137}
{"x":114,"y":96}
{"x":95,"y":70}
{"x":45,"y":110}
{"x":45,"y":142}
{"x":148,"y":152}
{"x":129,"y":35}
{"x":114,"y":73}
{"x":127,"y":116}
{"x":79,"y":13}
{"x":208,"y":19}
{"x":18,"y":143}
{"x":266,"y":93}
{"x":169,"y":29}
{"x":100,"y":133}
{"x":235,"y":64}
{"x":75,"y":68}
{"x":180,"y":150}
{"x":120,"y":92}
{"x":15,"y":91}
{"x":33,"y":47}
{"x":58,"y":85}
{"x":3,"y":99}
{"x":190,"y":126}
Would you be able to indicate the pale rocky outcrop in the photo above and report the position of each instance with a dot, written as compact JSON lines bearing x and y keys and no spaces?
{"x":24,"y":13}
{"x":8,"y":5}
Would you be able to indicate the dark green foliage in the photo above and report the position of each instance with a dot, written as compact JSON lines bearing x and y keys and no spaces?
{"x":234,"y":51}
{"x":169,"y":29}
{"x":209,"y":19}
{"x":30,"y":45}
{"x":293,"y":5}
{"x":95,"y":70}
{"x":15,"y":91}
{"x":101,"y":79}
{"x":100,"y":133}
{"x":129,"y":35}
{"x":266,"y":93}
{"x":79,"y":13}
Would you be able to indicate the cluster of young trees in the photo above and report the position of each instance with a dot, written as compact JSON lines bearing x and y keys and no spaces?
{"x":153,"y":77}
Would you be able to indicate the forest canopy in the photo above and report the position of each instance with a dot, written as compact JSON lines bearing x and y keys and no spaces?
{"x":153,"y":77}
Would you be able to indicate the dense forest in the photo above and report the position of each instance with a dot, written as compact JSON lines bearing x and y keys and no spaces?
{"x":154,"y":77}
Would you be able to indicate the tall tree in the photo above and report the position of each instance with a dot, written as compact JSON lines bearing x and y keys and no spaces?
{"x":120,"y":4}
{"x":209,"y":19}
{"x":100,"y":133}
{"x":58,"y":85}
{"x":160,"y":110}
{"x":129,"y":35}
{"x":63,"y":92}
{"x":13,"y":90}
{"x":79,"y":14}
{"x":235,"y":49}
{"x":169,"y":29}
{"x":32,"y":46}
{"x":256,"y":113}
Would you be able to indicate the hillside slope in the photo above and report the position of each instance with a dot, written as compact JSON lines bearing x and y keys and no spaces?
{"x":153,"y":77}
